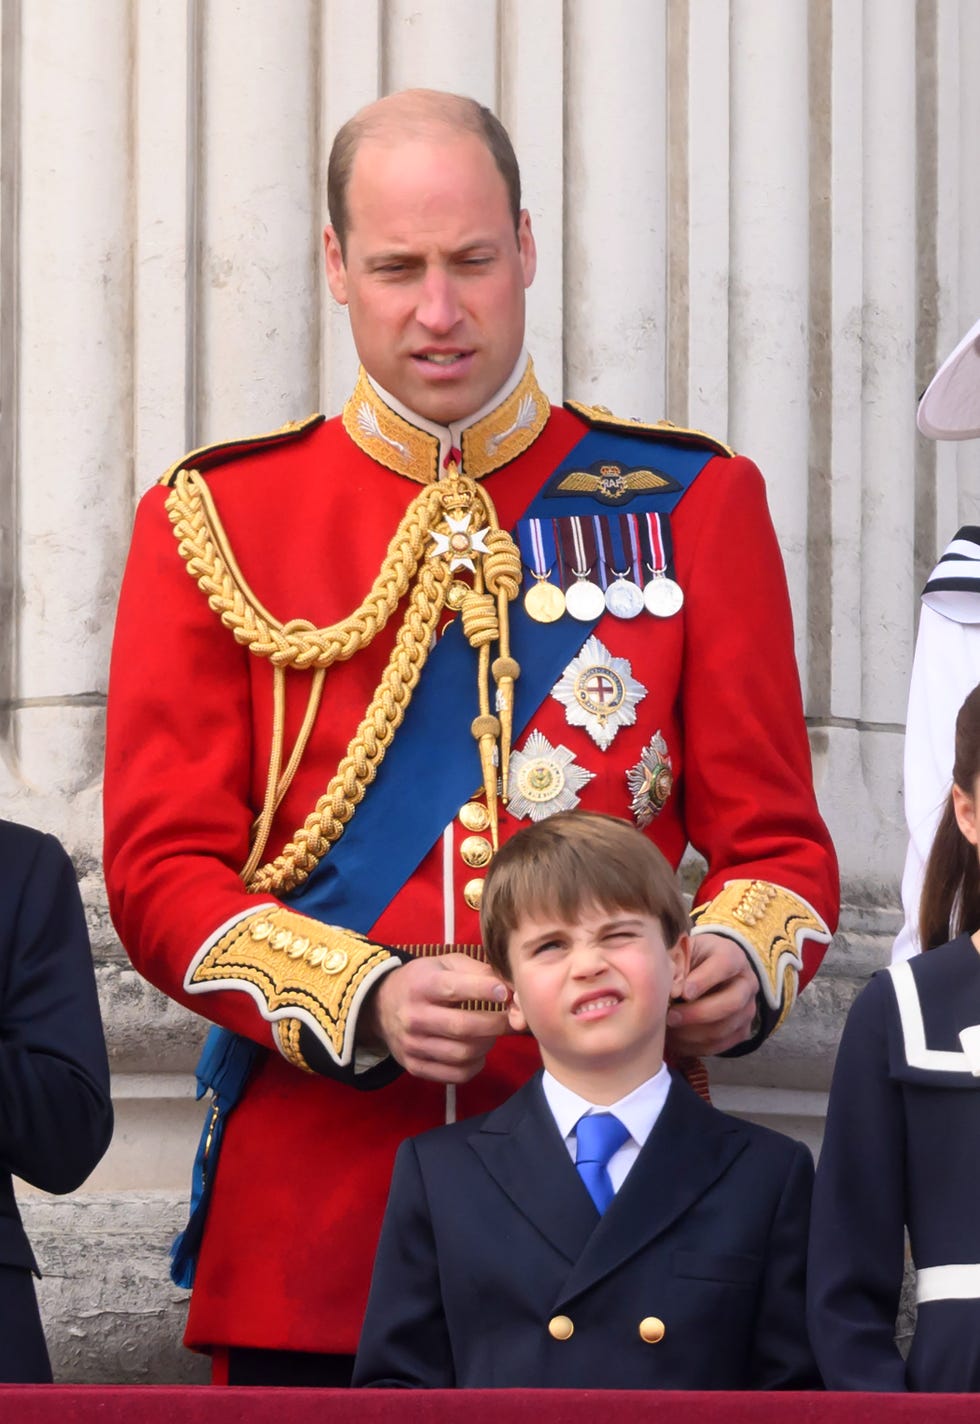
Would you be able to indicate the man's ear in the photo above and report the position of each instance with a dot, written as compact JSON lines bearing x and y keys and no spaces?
{"x":515,"y":1015}
{"x":965,"y":811}
{"x":526,"y":246}
{"x":679,"y":955}
{"x":336,"y":270}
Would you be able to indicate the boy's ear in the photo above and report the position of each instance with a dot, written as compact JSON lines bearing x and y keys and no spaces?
{"x":515,"y":1015}
{"x":679,"y":955}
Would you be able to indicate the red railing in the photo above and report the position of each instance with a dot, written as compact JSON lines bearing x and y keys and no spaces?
{"x":162,"y":1404}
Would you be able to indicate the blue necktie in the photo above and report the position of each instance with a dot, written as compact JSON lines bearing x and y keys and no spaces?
{"x":597,"y":1137}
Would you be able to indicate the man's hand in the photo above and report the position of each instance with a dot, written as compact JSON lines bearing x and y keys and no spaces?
{"x":414,"y":1014}
{"x":717,"y":1005}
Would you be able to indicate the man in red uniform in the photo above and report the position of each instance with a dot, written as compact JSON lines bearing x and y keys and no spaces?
{"x":339,"y":682}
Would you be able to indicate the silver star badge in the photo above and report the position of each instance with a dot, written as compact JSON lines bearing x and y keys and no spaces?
{"x":460,"y":543}
{"x":544,"y":779}
{"x":599,"y":692}
{"x":650,"y":781}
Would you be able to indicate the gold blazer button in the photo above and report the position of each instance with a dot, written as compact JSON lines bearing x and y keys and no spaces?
{"x":474,"y":816}
{"x":561,"y":1328}
{"x":473,"y":892}
{"x":477,"y":852}
{"x":652,"y":1330}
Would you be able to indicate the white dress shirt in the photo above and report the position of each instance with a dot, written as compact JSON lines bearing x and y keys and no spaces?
{"x":638,"y":1112}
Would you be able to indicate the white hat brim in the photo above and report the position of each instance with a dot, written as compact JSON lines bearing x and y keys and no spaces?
{"x":950,"y":408}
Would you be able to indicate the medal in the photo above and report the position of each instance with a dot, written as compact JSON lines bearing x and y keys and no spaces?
{"x":599,"y":692}
{"x":584,"y":600}
{"x":544,"y":779}
{"x":544,"y":602}
{"x":624,"y":598}
{"x":662,"y":595}
{"x":650,"y":781}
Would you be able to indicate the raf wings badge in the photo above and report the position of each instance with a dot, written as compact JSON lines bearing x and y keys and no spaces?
{"x":612,"y":483}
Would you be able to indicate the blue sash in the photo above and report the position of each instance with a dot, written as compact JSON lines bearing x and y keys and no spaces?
{"x":393,"y":829}
{"x":396,"y":825}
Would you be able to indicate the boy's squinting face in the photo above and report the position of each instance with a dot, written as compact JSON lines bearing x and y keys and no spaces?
{"x":594,"y":994}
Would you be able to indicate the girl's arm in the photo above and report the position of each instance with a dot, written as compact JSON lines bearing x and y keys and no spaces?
{"x":857,"y":1234}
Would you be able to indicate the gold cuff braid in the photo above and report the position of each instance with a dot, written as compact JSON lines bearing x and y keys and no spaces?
{"x":770,"y":924}
{"x":295,"y":963}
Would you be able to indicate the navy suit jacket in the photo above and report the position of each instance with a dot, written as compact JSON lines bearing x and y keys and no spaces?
{"x":55,"y":1110}
{"x":489,"y":1234}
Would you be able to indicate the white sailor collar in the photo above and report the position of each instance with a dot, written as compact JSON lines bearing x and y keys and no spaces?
{"x":937,"y":995}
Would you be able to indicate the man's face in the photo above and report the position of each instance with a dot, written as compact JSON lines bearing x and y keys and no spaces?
{"x":434,"y":274}
{"x":595,"y":995}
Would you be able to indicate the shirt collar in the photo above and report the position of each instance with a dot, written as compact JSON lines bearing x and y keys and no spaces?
{"x":638,"y":1111}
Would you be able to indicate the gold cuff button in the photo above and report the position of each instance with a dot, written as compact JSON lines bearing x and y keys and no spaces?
{"x":652,"y":1330}
{"x":335,"y":962}
{"x":473,"y":893}
{"x":474,"y":816}
{"x":561,"y":1328}
{"x":477,"y":852}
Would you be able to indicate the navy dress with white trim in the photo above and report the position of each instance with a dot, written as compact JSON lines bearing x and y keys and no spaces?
{"x":902,"y":1150}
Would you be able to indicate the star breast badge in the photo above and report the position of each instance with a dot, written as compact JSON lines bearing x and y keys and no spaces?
{"x":599,"y":692}
{"x":544,"y":779}
{"x":650,"y":781}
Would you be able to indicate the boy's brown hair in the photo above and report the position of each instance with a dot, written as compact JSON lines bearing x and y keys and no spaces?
{"x":571,"y":860}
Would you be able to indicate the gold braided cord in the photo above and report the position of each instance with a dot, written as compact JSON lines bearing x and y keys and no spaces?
{"x":263,"y":826}
{"x":366,"y":751}
{"x":204,"y":548}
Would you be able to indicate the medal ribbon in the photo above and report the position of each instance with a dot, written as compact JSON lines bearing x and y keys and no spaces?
{"x":657,"y":544}
{"x":537,"y":541}
{"x":579,"y":554}
{"x":601,"y":529}
{"x":630,"y":531}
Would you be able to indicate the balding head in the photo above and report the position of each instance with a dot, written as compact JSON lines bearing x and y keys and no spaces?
{"x":417,"y":114}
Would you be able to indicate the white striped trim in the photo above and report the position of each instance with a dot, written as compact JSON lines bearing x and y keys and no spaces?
{"x":947,"y":1283}
{"x":917,"y":1055}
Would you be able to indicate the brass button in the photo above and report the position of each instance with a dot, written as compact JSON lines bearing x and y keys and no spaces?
{"x":335,"y":961}
{"x":477,"y":852}
{"x":473,"y":893}
{"x":652,"y":1330}
{"x":560,"y":1327}
{"x":474,"y":816}
{"x":455,"y":594}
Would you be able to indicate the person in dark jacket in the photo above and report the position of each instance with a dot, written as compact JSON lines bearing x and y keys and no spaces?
{"x":55,"y":1109}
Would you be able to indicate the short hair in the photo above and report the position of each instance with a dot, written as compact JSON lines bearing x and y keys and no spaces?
{"x":422,"y":111}
{"x":571,"y":860}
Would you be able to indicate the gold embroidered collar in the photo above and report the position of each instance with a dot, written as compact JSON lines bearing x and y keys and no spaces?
{"x":493,"y":440}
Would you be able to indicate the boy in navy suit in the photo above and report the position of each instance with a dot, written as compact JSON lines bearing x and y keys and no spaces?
{"x":605,"y":1227}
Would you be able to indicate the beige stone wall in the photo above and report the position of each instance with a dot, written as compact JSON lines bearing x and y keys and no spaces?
{"x":758,"y":217}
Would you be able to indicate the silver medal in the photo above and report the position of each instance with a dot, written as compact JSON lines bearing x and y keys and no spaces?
{"x":624,"y":598}
{"x":584,"y":601}
{"x":663,"y":597}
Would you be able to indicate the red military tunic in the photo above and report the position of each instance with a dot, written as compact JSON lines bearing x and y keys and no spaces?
{"x":304,"y":1168}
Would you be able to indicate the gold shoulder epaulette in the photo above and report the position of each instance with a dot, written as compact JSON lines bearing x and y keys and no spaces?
{"x":208,"y":456}
{"x":601,"y":418}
